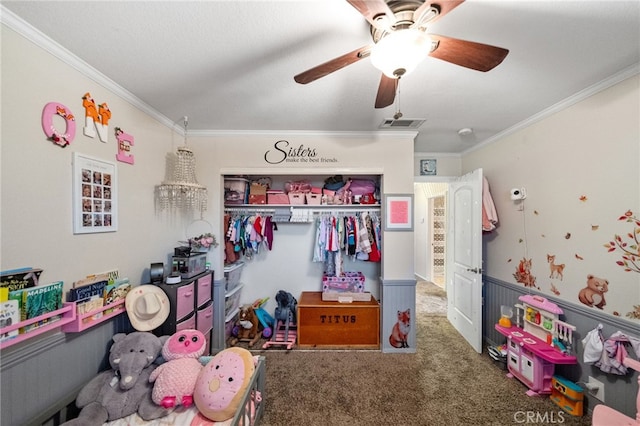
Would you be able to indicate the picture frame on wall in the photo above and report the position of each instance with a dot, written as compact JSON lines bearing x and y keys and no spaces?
{"x":398,"y":212}
{"x":95,"y":195}
{"x":428,"y":167}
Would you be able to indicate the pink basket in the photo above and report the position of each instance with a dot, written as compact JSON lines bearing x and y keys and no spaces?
{"x":277,"y":198}
{"x":296,"y":198}
{"x":313,"y":199}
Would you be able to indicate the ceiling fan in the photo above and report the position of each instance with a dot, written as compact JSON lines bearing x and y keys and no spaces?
{"x":401,"y":42}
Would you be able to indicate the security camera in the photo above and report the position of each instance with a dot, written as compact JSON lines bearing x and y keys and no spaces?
{"x":518,"y":194}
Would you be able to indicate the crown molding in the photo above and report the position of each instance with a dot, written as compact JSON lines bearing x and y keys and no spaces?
{"x":20,"y":26}
{"x":564,"y":104}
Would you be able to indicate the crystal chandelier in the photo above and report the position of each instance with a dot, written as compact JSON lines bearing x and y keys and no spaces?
{"x":183,"y":191}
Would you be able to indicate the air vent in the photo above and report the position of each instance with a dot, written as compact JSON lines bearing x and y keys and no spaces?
{"x":404,"y":123}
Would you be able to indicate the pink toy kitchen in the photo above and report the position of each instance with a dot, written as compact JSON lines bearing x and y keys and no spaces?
{"x":536,"y":343}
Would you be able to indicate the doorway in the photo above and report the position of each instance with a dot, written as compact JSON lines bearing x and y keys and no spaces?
{"x":438,"y":234}
{"x":430,"y":231}
{"x":462,"y":247}
{"x":430,"y":247}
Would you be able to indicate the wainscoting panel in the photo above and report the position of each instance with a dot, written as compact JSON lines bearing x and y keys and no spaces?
{"x":40,"y":376}
{"x":620,"y":391}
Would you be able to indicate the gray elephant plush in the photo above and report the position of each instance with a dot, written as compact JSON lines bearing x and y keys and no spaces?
{"x":125,"y":389}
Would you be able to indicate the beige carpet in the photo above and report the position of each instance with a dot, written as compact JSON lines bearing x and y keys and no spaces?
{"x":444,"y":383}
{"x":430,"y":299}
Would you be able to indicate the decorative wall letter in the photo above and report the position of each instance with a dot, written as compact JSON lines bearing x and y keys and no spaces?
{"x":125,"y":142}
{"x":61,"y":139}
{"x":96,"y":118}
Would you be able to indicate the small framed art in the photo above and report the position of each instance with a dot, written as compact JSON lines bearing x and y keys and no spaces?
{"x":428,"y":167}
{"x":95,"y":195}
{"x":398,"y":212}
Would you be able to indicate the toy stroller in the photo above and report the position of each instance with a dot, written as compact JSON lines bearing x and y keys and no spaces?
{"x":285,"y":330}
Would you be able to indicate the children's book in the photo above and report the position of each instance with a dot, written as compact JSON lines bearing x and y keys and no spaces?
{"x":116,"y":291}
{"x":17,"y":296}
{"x":18,"y":279}
{"x":88,"y":291}
{"x":42,"y":299}
{"x":90,"y":305}
{"x":91,"y":279}
{"x":9,"y":315}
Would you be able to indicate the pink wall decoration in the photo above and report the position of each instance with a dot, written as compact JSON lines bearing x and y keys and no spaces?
{"x":50,"y":110}
{"x":125,"y":142}
{"x":96,"y":118}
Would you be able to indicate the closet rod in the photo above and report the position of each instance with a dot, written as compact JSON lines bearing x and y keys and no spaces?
{"x":247,"y":210}
{"x":302,"y":209}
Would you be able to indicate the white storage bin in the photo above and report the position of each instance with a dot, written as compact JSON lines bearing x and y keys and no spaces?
{"x":232,"y":274}
{"x":229,"y":323}
{"x":236,"y":190}
{"x":232,"y":300}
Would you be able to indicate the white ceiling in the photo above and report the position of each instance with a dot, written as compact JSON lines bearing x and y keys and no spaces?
{"x":229,"y":65}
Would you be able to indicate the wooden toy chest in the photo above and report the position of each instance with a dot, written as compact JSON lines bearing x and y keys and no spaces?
{"x":328,"y":324}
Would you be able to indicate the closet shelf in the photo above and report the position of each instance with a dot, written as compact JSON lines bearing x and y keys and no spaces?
{"x":67,"y":313}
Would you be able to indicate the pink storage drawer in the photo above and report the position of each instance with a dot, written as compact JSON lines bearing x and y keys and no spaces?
{"x":204,"y":319}
{"x":205,"y":290}
{"x":187,"y":324}
{"x":185,"y":298}
{"x":349,"y":282}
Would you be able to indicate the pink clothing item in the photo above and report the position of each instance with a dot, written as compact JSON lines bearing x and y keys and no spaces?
{"x":268,"y":232}
{"x":489,"y":214}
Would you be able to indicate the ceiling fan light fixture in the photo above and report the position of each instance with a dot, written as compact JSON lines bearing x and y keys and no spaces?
{"x":399,"y":52}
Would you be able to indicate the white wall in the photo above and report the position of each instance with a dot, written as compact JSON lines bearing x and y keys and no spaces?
{"x":36,"y":174}
{"x":446,"y":164}
{"x":37,"y":185}
{"x":590,"y":149}
{"x":289,"y":265}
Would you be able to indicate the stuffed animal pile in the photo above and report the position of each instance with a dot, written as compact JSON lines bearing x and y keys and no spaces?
{"x":136,"y":384}
{"x":125,"y":388}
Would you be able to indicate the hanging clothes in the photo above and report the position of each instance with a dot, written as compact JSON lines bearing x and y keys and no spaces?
{"x":615,"y":352}
{"x":489,"y":213}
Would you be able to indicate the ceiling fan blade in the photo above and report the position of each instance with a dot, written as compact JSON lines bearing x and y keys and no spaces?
{"x":371,"y":9}
{"x":333,"y":65}
{"x":469,"y":54}
{"x":443,"y":6}
{"x":386,"y":91}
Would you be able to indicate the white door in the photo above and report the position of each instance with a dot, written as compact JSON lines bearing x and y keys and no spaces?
{"x":464,"y":257}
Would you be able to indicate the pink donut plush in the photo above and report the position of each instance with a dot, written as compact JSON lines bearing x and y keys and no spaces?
{"x":222,"y":383}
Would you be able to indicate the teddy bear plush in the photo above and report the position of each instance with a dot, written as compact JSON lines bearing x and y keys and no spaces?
{"x":175,"y":379}
{"x":593,"y":293}
{"x":248,"y":326}
{"x":125,"y":388}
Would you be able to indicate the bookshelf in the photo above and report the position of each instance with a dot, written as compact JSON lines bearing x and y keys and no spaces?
{"x":70,"y":321}
{"x":67,"y":312}
{"x":90,"y":319}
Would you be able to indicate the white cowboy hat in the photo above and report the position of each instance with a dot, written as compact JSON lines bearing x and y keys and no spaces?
{"x":147,"y":307}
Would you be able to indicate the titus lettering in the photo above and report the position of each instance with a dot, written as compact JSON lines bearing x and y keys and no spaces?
{"x":337,"y":319}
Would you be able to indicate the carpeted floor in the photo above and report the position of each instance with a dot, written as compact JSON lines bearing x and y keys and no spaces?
{"x":444,"y":383}
{"x":430,"y":299}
